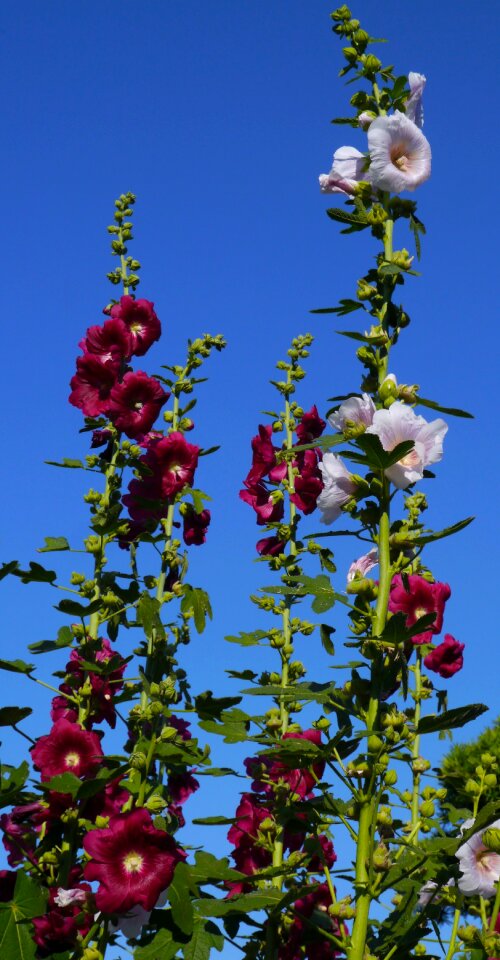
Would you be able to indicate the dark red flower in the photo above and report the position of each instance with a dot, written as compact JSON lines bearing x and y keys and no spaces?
{"x":323,"y":854}
{"x":104,"y":685}
{"x":304,"y":939}
{"x":67,"y":748}
{"x":58,"y":929}
{"x":311,"y":426}
{"x":112,"y":341}
{"x":264,"y":455}
{"x":132,"y":861}
{"x":270,"y":546}
{"x":92,"y":384}
{"x":195,"y":525}
{"x":7,"y":884}
{"x":107,"y":803}
{"x":300,"y":780}
{"x":423,"y":597}
{"x":20,"y":832}
{"x":250,"y":854}
{"x":446,"y":659}
{"x":62,"y":708}
{"x":173,"y":462}
{"x":182,"y":726}
{"x":308,"y":483}
{"x":141,"y":320}
{"x":181,"y":786}
{"x":100,"y":438}
{"x":261,"y":500}
{"x":136,"y":403}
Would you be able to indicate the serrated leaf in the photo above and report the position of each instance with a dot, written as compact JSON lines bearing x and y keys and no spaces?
{"x":9,"y":716}
{"x":205,"y":936}
{"x":451,"y":411}
{"x":210,"y":869}
{"x":245,"y":903}
{"x":75,"y":609}
{"x":209,"y":707}
{"x":54,"y":544}
{"x":249,"y":639}
{"x":16,"y":942}
{"x":450,"y":719}
{"x":163,"y":946}
{"x":64,"y":783}
{"x":180,"y":900}
{"x":17,"y":666}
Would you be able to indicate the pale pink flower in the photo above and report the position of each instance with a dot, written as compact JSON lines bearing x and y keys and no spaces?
{"x":400,"y":155}
{"x":414,"y":108}
{"x":64,"y":898}
{"x":365,"y":119}
{"x":354,"y":411}
{"x":349,"y":167}
{"x":430,"y":891}
{"x":363,"y":564}
{"x":480,"y":867}
{"x":338,"y":487}
{"x":132,"y":922}
{"x":400,"y":423}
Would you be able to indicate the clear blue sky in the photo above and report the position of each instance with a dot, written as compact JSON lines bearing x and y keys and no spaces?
{"x":217,"y":116}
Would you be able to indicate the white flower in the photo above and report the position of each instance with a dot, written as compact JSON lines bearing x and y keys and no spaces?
{"x":400,"y":423}
{"x":430,"y":891}
{"x":365,"y":119}
{"x":132,"y":922}
{"x":480,"y":867}
{"x":338,"y":487}
{"x":400,"y":154}
{"x":414,"y":108}
{"x":354,"y":410}
{"x":64,"y":898}
{"x":363,"y":564}
{"x":348,"y":169}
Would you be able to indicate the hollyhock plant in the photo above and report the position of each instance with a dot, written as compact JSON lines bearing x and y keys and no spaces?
{"x":67,"y":748}
{"x":301,"y":780}
{"x":58,"y":929}
{"x":269,"y":509}
{"x":173,"y":462}
{"x":422,"y":598}
{"x":363,"y":565}
{"x":353,"y":412}
{"x":400,"y":423}
{"x":111,"y":341}
{"x":132,"y":861}
{"x":135,"y":404}
{"x":304,"y":936}
{"x":349,"y":167}
{"x":338,"y":487}
{"x":447,"y":658}
{"x":308,"y":483}
{"x":92,"y":384}
{"x":310,"y":427}
{"x":263,"y":455}
{"x":414,"y":108}
{"x":141,"y":321}
{"x":479,"y":866}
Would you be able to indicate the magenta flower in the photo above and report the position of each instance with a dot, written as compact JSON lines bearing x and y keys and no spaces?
{"x":270,"y":546}
{"x":349,"y":167}
{"x":173,"y":460}
{"x":353,"y":412}
{"x":304,"y":940}
{"x":446,"y":659}
{"x":400,"y":155}
{"x":92,"y":384}
{"x":308,"y":483}
{"x":400,"y":423}
{"x":310,"y":427}
{"x":19,"y":829}
{"x":195,"y":526}
{"x":112,"y":341}
{"x":267,"y":508}
{"x":135,"y":404}
{"x":141,"y":321}
{"x":338,"y":487}
{"x":132,"y":861}
{"x":57,"y":931}
{"x":67,"y":748}
{"x":249,"y":854}
{"x":264,"y":455}
{"x":181,"y":786}
{"x":423,"y":598}
{"x":301,"y":780}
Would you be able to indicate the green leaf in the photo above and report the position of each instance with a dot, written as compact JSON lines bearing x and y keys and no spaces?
{"x":16,"y":942}
{"x":7,"y":568}
{"x":70,"y":464}
{"x":233,"y":726}
{"x":353,"y":335}
{"x":342,"y":215}
{"x":245,"y":903}
{"x":377,"y":457}
{"x":209,"y":707}
{"x":325,"y":635}
{"x":250,"y":639}
{"x":148,"y":612}
{"x":9,"y":716}
{"x":35,"y":574}
{"x":64,"y":783}
{"x":53,"y":544}
{"x":205,"y":936}
{"x":213,"y":821}
{"x":197,"y":602}
{"x":17,"y":666}
{"x":163,"y":946}
{"x":440,"y":534}
{"x":451,"y":411}
{"x":12,"y":780}
{"x":347,"y":306}
{"x":64,"y":639}
{"x":81,"y":610}
{"x":180,"y":899}
{"x":450,"y":719}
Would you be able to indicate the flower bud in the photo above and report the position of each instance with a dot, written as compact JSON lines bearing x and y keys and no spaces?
{"x":350,"y":54}
{"x":402,"y":259}
{"x":390,"y":778}
{"x":427,"y":808}
{"x":371,"y":64}
{"x":490,"y":780}
{"x":469,"y":934}
{"x":388,"y":389}
{"x":488,"y":760}
{"x":381,"y":859}
{"x":420,"y":765}
{"x":342,"y":13}
{"x":91,"y":953}
{"x":138,"y":761}
{"x":491,"y":839}
{"x":155,"y":803}
{"x":472,"y":787}
{"x":365,"y":290}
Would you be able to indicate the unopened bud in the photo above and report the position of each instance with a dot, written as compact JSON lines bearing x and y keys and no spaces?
{"x":427,"y":808}
{"x":371,"y":64}
{"x":390,"y":778}
{"x":155,"y":803}
{"x":472,"y":787}
{"x":381,"y":858}
{"x":468,"y":934}
{"x":491,"y":839}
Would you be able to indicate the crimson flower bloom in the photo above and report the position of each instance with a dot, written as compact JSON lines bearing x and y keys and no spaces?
{"x":135,"y":403}
{"x":311,"y":426}
{"x":112,"y":341}
{"x":132,"y":861}
{"x":301,"y":780}
{"x":57,"y":930}
{"x":104,"y":685}
{"x":173,"y":461}
{"x":249,"y":854}
{"x":67,"y":748}
{"x":308,"y":483}
{"x":446,"y":659}
{"x":195,"y":525}
{"x":92,"y":384}
{"x":264,"y":455}
{"x":423,"y":597}
{"x":261,"y":500}
{"x":141,"y":320}
{"x":181,"y":786}
{"x":20,"y":832}
{"x":270,"y":546}
{"x":304,"y":939}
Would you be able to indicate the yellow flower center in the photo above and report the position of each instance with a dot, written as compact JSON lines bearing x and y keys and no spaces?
{"x":72,"y":759}
{"x":133,"y":862}
{"x":399,"y":157}
{"x":420,"y":612}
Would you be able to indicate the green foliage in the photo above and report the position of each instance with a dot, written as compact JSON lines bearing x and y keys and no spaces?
{"x":16,"y":942}
{"x":459,"y":766}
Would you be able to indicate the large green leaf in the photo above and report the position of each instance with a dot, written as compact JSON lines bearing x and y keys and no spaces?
{"x":35,"y":574}
{"x":206,"y":935}
{"x":17,"y":666}
{"x":12,"y":780}
{"x":163,"y":946}
{"x":16,"y":942}
{"x":245,"y":903}
{"x":197,"y":602}
{"x":342,"y":215}
{"x":179,"y":896}
{"x":74,"y":609}
{"x":450,"y":719}
{"x":9,"y":716}
{"x":64,"y":639}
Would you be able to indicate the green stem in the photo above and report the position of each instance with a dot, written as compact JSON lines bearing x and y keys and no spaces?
{"x":99,"y":557}
{"x":453,"y":936}
{"x":417,"y":776}
{"x":496,"y":909}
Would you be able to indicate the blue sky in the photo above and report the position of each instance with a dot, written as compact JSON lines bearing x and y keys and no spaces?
{"x":217,"y":117}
